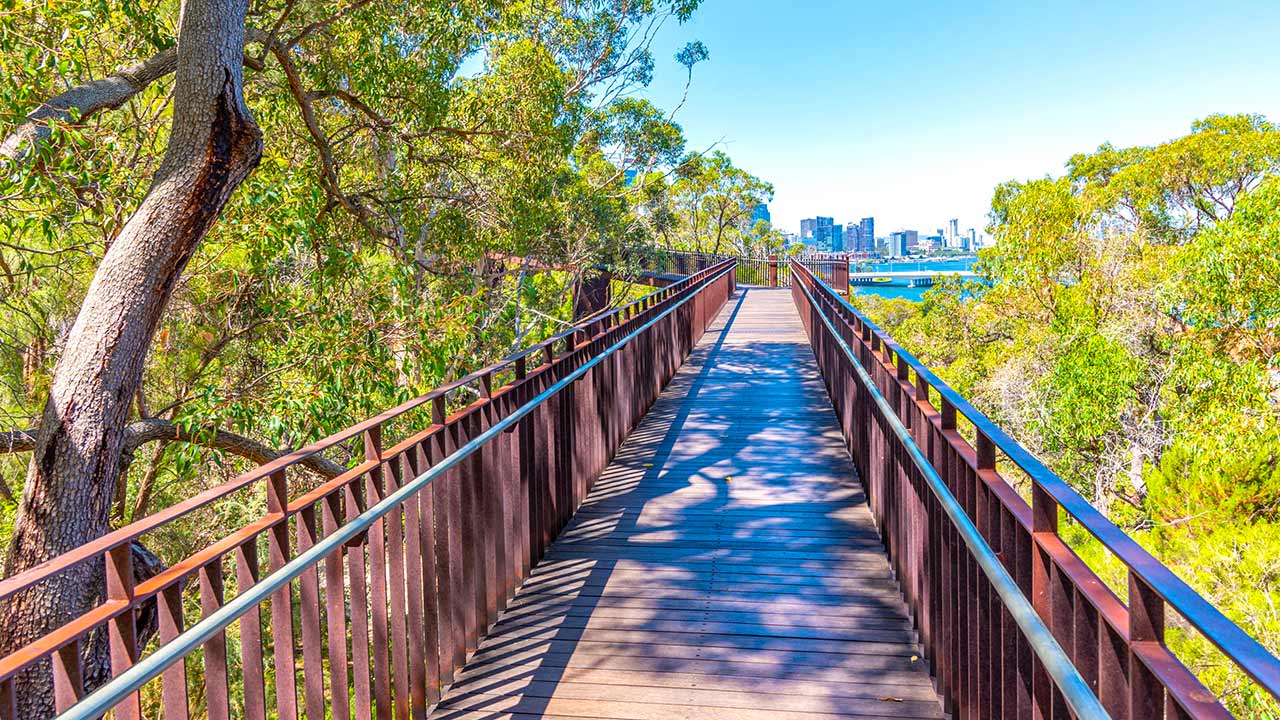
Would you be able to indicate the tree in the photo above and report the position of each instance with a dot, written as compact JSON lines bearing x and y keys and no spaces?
{"x":708,"y":206}
{"x":1128,"y":333}
{"x":352,"y":269}
{"x":214,"y":145}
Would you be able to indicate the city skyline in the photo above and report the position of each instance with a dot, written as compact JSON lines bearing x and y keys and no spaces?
{"x":937,"y":103}
{"x":861,"y":235}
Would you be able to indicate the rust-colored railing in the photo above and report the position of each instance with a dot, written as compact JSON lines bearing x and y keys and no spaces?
{"x":983,"y":662}
{"x":766,"y":271}
{"x":377,"y":584}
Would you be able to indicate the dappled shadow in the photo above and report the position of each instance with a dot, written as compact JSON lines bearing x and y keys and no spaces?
{"x":725,"y":564}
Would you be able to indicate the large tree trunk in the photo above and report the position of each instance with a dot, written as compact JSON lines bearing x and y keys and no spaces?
{"x":66,"y":501}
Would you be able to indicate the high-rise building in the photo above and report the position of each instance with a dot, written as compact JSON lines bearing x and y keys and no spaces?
{"x":865,"y":236}
{"x":860,"y":237}
{"x":760,"y":212}
{"x":817,"y":232}
{"x":973,"y":240}
{"x":901,"y":242}
{"x":837,"y":238}
{"x":953,"y":234}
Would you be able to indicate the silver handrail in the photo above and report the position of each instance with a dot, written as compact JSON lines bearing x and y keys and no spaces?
{"x":130,"y":681}
{"x":1079,"y":697}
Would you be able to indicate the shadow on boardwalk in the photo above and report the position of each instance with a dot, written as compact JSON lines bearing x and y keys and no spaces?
{"x":724,"y":566}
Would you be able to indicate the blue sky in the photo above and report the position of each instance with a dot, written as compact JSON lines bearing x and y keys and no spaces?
{"x":914,"y":111}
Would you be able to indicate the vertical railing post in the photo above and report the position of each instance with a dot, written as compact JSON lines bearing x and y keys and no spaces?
{"x":773,"y":271}
{"x":123,"y":631}
{"x":282,"y":599}
{"x":1146,"y":625}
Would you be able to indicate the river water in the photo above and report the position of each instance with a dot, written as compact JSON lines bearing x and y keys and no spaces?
{"x":898,"y":288}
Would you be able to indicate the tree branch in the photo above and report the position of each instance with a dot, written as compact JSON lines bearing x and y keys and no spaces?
{"x":148,"y":430}
{"x":93,"y":97}
{"x":141,"y":432}
{"x":18,"y":441}
{"x":85,"y":100}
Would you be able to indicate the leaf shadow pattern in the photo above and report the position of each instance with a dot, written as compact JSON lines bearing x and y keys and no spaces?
{"x":724,"y":565}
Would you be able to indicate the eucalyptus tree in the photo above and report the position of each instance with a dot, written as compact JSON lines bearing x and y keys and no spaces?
{"x":1129,"y":334}
{"x":384,"y":153}
{"x":707,"y":205}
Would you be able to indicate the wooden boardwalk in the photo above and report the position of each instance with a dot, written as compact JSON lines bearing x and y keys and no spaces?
{"x":724,"y":566}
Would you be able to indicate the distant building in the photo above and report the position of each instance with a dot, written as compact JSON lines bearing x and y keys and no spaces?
{"x":837,"y":238}
{"x":973,"y":240}
{"x":860,"y":237}
{"x":760,"y":212}
{"x":817,"y":232}
{"x":901,"y":242}
{"x":953,"y":233}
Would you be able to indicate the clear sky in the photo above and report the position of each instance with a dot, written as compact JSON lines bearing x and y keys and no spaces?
{"x":913,"y":111}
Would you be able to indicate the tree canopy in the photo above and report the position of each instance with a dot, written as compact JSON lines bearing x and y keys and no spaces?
{"x":1127,"y":330}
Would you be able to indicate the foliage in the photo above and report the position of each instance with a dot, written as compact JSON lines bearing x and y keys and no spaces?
{"x":424,"y":164}
{"x":1127,"y":331}
{"x":706,"y":205}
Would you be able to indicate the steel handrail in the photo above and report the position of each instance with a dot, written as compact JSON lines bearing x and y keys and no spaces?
{"x":122,"y":536}
{"x":1249,"y":655}
{"x":1075,"y":690}
{"x":133,"y":679}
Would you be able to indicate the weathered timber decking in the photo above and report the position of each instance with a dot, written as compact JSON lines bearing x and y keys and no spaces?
{"x":724,"y":566}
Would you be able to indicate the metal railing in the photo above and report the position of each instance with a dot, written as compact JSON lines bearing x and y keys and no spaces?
{"x":378,"y":583}
{"x":915,"y":465}
{"x":766,"y":271}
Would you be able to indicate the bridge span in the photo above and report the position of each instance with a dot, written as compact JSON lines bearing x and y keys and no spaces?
{"x":724,"y":565}
{"x":910,"y":278}
{"x":714,"y":502}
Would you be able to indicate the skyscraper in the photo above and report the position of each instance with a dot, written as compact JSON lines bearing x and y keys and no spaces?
{"x":760,"y":212}
{"x":953,"y":235}
{"x":867,"y":235}
{"x":817,"y":232}
{"x":901,"y":241}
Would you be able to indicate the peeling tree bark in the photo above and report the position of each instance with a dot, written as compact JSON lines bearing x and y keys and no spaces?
{"x":214,"y":145}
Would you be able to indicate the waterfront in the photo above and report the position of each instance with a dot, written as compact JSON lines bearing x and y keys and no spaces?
{"x":898,"y":288}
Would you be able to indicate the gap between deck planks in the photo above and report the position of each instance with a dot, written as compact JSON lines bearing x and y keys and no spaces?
{"x":724,"y":566}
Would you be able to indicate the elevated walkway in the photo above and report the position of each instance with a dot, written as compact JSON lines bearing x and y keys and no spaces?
{"x":725,"y":565}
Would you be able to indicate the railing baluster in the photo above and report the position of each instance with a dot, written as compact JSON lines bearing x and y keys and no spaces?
{"x":173,"y":684}
{"x":394,"y":524}
{"x":430,"y":587}
{"x":1146,"y":625}
{"x":251,"y":666}
{"x":216,"y":689}
{"x":123,"y":633}
{"x":309,"y":615}
{"x":68,"y":678}
{"x":336,"y":612}
{"x":380,"y":650}
{"x":282,"y":640}
{"x":414,"y":589}
{"x":357,"y":578}
{"x":8,"y":700}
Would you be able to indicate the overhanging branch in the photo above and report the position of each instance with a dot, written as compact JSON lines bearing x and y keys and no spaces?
{"x":141,"y":432}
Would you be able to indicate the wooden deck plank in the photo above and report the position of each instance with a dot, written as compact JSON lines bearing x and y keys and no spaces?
{"x":725,"y":564}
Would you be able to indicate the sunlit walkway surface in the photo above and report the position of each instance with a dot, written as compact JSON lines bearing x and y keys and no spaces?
{"x":725,"y":565}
